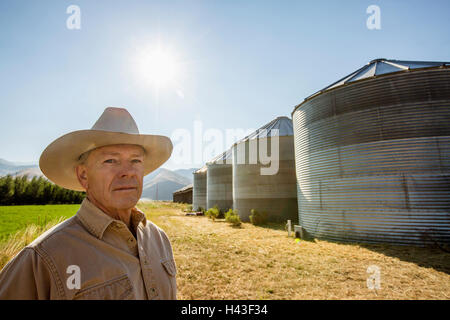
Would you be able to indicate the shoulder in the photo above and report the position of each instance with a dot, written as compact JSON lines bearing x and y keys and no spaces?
{"x":157,"y":231}
{"x":56,"y":233}
{"x":157,"y":237}
{"x":154,"y":228}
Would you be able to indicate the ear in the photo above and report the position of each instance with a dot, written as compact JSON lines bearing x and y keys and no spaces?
{"x":81,"y":172}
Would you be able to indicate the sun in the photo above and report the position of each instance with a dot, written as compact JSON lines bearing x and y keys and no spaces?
{"x":157,"y":66}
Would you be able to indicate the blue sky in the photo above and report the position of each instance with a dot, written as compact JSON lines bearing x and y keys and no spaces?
{"x":242,"y":63}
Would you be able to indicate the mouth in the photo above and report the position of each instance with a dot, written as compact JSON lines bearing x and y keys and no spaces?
{"x":125,"y":189}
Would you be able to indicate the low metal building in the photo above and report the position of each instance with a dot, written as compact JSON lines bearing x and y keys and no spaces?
{"x":183,"y":195}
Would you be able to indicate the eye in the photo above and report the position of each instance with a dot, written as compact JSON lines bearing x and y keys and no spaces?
{"x":109,"y":161}
{"x":136,"y":160}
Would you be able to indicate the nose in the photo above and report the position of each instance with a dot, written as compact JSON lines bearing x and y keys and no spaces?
{"x":127,"y":170}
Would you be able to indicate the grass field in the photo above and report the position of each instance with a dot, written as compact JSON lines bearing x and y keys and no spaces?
{"x":218,"y":261}
{"x":15,"y":218}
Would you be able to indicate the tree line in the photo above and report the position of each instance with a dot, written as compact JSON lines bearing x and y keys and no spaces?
{"x":21,"y":191}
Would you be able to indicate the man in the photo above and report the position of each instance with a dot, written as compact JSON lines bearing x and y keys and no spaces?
{"x":108,"y":250}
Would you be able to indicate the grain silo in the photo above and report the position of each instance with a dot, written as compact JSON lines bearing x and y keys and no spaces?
{"x":219,"y":182}
{"x":372,"y":155}
{"x":199,"y":190}
{"x":255,"y":184}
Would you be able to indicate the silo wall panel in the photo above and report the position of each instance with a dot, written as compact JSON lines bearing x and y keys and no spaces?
{"x":220,"y":186}
{"x":199,"y":191}
{"x":274,"y":194}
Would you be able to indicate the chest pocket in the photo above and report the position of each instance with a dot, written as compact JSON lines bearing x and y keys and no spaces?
{"x":169,"y":266}
{"x":116,"y":289}
{"x":171,"y":270}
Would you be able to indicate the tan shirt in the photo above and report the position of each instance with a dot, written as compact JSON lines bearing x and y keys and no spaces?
{"x":110,"y":261}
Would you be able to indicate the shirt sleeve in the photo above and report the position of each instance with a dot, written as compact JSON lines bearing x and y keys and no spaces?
{"x":27,"y":277}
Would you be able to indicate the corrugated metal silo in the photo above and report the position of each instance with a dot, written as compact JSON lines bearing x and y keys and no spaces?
{"x":199,"y":191}
{"x":219,"y":181}
{"x":373,"y":155}
{"x":274,"y":194}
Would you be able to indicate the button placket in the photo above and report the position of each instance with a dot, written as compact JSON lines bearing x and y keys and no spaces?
{"x":147,"y":273}
{"x":143,"y":256}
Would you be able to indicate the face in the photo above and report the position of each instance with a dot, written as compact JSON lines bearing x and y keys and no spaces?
{"x":113,"y":175}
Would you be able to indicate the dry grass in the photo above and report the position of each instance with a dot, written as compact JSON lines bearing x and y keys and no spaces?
{"x":218,"y":261}
{"x":22,"y":238}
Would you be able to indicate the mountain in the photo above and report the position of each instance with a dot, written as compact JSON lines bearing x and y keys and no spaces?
{"x":186,"y":172}
{"x":18,"y":168}
{"x":160,"y":184}
{"x":31,"y":172}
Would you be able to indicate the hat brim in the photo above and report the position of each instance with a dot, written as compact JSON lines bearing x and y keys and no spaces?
{"x":59,"y":160}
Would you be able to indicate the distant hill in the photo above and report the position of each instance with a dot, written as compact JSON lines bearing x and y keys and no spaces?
{"x":18,"y":169}
{"x":160,"y":184}
{"x":186,"y":172}
{"x":31,"y":172}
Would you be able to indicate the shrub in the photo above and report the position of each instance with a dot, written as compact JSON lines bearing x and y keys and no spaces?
{"x":212,"y":213}
{"x":221,"y":214}
{"x":232,"y":217}
{"x":258,"y":218}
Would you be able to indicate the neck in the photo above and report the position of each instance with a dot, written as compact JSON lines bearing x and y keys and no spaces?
{"x":118,"y":214}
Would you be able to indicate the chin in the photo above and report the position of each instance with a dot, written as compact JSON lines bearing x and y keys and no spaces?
{"x":126,"y":202}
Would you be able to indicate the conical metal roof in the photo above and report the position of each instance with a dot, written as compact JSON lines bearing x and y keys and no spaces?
{"x":380,"y":67}
{"x":222,"y":158}
{"x":201,"y":170}
{"x":282,"y":126}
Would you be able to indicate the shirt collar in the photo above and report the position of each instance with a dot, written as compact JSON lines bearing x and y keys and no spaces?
{"x":96,"y":221}
{"x":137,"y":216}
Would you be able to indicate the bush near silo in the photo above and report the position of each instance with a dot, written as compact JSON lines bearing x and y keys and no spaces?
{"x":213,"y":213}
{"x":258,"y":218}
{"x":232,"y":217}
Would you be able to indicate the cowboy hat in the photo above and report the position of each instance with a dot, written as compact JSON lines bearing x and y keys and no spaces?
{"x":115,"y":126}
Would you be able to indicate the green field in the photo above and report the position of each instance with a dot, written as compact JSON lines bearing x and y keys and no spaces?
{"x":15,"y":218}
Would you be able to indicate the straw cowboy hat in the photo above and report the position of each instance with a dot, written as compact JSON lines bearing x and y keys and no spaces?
{"x":115,"y":126}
